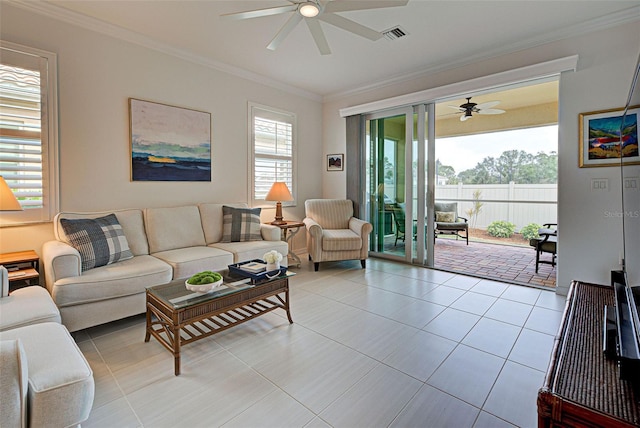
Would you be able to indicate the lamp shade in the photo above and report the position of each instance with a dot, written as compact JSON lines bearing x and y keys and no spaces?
{"x":8,"y":201}
{"x":279,"y":192}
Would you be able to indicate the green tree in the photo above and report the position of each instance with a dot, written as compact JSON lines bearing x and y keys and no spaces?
{"x":484,"y":172}
{"x":548,"y":166}
{"x":446,"y":171}
{"x":514,"y":165}
{"x":510,"y":162}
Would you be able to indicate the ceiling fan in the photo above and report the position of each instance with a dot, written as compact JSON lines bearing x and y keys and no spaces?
{"x":314,"y":11}
{"x":467,"y":109}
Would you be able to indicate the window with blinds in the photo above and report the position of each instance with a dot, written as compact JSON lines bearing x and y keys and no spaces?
{"x":27,"y":137}
{"x":272,"y":151}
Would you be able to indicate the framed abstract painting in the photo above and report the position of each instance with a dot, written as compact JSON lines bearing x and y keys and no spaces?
{"x":604,"y":141}
{"x":169,"y":143}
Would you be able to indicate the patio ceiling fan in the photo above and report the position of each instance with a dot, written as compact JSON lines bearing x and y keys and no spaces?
{"x":467,"y":109}
{"x":314,"y":11}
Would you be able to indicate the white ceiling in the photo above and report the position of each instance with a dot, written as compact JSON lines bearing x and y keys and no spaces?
{"x":442,"y":34}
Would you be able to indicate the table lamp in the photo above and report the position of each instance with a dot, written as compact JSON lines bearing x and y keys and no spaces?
{"x":279,"y":192}
{"x":8,"y":202}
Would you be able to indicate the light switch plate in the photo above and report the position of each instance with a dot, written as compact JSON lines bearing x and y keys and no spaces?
{"x":631,"y":183}
{"x":599,"y":184}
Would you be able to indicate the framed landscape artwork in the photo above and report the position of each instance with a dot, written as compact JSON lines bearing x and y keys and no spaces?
{"x":335,"y":162}
{"x":169,"y":143}
{"x":601,"y":142}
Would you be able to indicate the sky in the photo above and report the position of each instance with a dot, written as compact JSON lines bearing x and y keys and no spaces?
{"x":465,"y":152}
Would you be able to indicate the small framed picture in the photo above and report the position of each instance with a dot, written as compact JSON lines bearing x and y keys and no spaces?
{"x":335,"y":162}
{"x":604,"y":139}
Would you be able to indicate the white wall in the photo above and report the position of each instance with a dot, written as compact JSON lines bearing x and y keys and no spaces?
{"x":97,"y":75}
{"x":590,"y":241}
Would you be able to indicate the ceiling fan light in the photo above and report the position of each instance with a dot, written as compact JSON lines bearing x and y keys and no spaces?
{"x":309,"y":9}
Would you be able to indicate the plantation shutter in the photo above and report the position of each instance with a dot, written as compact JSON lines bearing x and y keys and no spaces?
{"x":25,"y":133}
{"x":273,"y":151}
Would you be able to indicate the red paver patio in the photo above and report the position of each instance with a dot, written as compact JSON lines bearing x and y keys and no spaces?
{"x":500,"y":262}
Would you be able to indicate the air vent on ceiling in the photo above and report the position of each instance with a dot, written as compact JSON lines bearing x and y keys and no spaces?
{"x":395,"y":33}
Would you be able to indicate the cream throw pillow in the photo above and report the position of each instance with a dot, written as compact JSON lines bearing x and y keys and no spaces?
{"x":445,"y":217}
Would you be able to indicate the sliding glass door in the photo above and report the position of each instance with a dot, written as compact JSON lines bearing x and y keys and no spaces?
{"x":396,"y":182}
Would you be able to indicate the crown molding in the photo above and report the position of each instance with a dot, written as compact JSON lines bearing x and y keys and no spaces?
{"x":631,"y":14}
{"x":93,"y":24}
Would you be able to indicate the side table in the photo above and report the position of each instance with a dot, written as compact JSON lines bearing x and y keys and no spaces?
{"x":289,"y":230}
{"x":23,"y":267}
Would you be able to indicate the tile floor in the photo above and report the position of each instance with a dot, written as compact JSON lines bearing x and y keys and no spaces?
{"x":389,"y":346}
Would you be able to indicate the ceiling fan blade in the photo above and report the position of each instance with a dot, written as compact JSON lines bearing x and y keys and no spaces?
{"x":348,"y":5}
{"x":456,"y":108}
{"x":260,"y":12}
{"x":284,"y":31}
{"x":318,"y":36}
{"x":491,"y":111}
{"x":351,"y":26}
{"x":487,"y":105}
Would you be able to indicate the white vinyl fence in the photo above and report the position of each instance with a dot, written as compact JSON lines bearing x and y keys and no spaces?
{"x":520,"y":204}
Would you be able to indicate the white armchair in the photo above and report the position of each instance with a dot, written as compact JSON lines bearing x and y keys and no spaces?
{"x":45,"y":380}
{"x":333,"y":233}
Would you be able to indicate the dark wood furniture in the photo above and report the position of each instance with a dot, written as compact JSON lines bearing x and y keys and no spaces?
{"x":23,"y":267}
{"x":177,"y":316}
{"x":582,"y":387}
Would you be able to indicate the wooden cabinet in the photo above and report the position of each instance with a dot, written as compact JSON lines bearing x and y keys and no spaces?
{"x":23,"y":267}
{"x":582,"y":387}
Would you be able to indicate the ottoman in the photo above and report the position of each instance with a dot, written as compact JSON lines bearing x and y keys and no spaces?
{"x":25,"y":306}
{"x":61,"y":386}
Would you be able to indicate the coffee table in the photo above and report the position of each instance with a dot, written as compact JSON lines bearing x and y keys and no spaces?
{"x":177,"y":316}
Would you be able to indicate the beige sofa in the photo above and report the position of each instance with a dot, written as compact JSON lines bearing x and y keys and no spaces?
{"x":45,"y":381}
{"x":167,"y":243}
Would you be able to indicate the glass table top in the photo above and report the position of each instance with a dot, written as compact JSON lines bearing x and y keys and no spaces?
{"x":176,"y":294}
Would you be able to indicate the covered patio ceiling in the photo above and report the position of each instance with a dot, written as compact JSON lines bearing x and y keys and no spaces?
{"x":525,"y":107}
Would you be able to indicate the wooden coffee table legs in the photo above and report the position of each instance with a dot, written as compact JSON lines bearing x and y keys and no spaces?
{"x":167,"y":333}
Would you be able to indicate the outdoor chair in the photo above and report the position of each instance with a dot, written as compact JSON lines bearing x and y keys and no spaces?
{"x":546,"y":243}
{"x":399,"y":220}
{"x":448,"y":222}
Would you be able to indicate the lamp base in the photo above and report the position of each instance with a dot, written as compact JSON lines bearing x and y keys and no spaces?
{"x":279,"y":218}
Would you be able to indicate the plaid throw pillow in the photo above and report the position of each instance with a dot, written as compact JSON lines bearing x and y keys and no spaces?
{"x":240,"y":224}
{"x":100,"y":241}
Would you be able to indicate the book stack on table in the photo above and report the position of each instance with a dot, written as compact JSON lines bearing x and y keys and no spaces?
{"x":255,"y":269}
